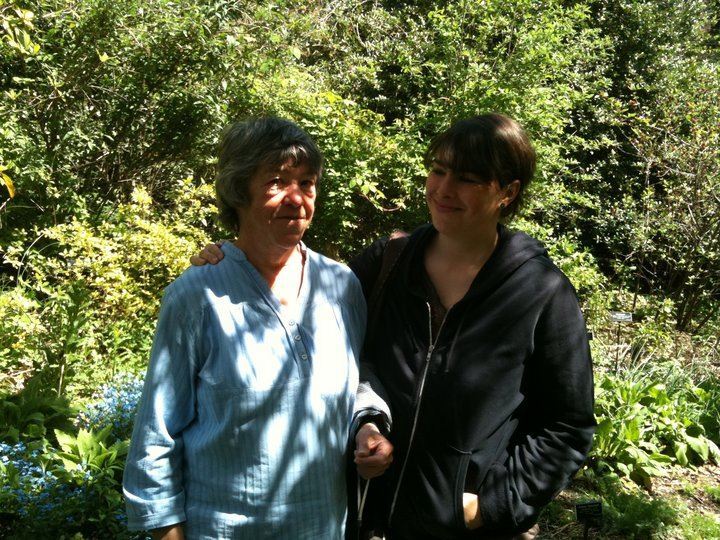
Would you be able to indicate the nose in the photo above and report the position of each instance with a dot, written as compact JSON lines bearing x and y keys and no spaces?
{"x":445,"y":184}
{"x":293,"y":195}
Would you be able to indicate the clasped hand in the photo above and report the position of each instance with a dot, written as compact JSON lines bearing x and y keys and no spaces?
{"x":373,"y":452}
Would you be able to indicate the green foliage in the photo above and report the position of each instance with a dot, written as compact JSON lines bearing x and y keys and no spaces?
{"x":33,"y":414}
{"x":89,"y":451}
{"x":644,"y":426}
{"x":70,"y":481}
{"x":714,"y":493}
{"x":677,"y":242}
{"x":636,"y":514}
{"x":100,"y":288}
{"x":696,"y":526}
{"x":111,"y":112}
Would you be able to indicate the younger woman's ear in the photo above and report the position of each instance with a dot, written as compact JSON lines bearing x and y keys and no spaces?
{"x":511,"y":191}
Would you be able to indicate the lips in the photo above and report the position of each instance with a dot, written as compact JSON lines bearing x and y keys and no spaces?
{"x":444,"y":207}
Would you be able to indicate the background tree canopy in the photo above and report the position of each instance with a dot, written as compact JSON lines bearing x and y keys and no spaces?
{"x":111,"y":112}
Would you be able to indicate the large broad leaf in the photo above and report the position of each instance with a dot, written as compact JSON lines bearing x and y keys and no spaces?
{"x":35,"y":417}
{"x":86,"y":444}
{"x":67,"y":442}
{"x":681,"y":453}
{"x":699,"y":446}
{"x":35,"y":431}
{"x":714,"y":450}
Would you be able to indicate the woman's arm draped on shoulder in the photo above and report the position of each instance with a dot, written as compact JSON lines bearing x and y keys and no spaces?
{"x":153,"y":478}
{"x":560,"y":408}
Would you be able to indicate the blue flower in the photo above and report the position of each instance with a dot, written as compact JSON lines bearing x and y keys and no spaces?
{"x":114,"y":405}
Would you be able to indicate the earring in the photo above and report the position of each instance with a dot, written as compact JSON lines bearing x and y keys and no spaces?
{"x":502,"y":206}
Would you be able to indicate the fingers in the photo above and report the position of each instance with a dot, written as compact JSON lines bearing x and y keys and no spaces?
{"x":373,"y":455}
{"x":211,"y":253}
{"x":471,"y":510}
{"x":372,"y":466}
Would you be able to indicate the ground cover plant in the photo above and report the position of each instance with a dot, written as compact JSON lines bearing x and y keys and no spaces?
{"x":109,"y":119}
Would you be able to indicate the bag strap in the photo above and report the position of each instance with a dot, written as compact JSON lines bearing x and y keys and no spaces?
{"x":391,"y":254}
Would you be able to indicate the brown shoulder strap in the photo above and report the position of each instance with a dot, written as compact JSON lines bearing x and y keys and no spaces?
{"x":391,"y":255}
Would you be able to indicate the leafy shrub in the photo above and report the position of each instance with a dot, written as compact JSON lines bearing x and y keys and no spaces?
{"x":33,"y":414}
{"x":71,"y":489}
{"x":636,"y":514}
{"x":72,"y":484}
{"x":643,"y":426}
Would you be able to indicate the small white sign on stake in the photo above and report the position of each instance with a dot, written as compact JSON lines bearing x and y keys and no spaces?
{"x":621,"y":317}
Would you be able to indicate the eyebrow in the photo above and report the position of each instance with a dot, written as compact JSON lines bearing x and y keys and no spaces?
{"x":441,"y":163}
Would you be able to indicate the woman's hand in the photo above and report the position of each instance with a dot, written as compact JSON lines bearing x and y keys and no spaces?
{"x":471,"y":508}
{"x":211,"y":253}
{"x":373,"y":452}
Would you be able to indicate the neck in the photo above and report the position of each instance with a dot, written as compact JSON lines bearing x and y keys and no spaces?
{"x":471,"y":250}
{"x":267,"y":259}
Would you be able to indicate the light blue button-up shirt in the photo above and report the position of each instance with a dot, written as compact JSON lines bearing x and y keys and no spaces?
{"x":242,"y":427}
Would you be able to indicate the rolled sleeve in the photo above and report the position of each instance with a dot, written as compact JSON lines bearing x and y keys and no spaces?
{"x":153,"y":477}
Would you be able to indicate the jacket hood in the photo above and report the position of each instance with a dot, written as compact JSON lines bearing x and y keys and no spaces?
{"x":513,"y":249}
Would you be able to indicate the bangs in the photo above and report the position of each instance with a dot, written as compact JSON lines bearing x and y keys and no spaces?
{"x":473,"y":147}
{"x":460,"y":156}
{"x":296,"y":154}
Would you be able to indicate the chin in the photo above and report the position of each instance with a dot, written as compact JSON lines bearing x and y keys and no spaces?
{"x":443,"y":225}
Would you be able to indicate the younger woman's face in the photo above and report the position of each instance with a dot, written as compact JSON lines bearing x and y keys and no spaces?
{"x":463,"y":204}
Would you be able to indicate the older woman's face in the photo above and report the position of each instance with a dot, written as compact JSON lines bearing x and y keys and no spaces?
{"x":282,"y":204}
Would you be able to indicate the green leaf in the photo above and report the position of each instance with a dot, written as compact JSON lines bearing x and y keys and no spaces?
{"x":681,"y":453}
{"x":8,"y":184}
{"x":85,"y":443}
{"x":66,"y":441}
{"x":35,"y":431}
{"x":699,"y":446}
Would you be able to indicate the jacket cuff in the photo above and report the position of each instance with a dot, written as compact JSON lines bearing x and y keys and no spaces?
{"x":144,"y":515}
{"x":493,"y":499}
{"x":367,"y":416}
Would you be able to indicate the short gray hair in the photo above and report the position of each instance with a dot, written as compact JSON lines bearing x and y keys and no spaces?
{"x":247,"y":146}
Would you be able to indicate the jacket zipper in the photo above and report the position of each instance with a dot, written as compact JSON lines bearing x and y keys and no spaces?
{"x":418,"y":402}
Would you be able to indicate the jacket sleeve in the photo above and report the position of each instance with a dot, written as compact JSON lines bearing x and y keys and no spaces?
{"x":153,"y":477}
{"x":557,"y":434}
{"x":371,"y":402}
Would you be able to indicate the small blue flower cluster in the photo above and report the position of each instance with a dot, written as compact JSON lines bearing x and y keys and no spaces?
{"x":35,"y":490}
{"x":41,"y":491}
{"x":39,"y":498}
{"x":115,"y":404}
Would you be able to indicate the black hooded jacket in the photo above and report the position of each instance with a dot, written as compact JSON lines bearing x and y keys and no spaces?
{"x":500,"y":405}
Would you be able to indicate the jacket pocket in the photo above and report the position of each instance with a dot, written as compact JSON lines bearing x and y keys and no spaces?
{"x":460,"y":488}
{"x":431,"y":498}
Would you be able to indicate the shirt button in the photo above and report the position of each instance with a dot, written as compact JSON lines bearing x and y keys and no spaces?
{"x":303,"y":356}
{"x":297,"y":337}
{"x":292,"y":323}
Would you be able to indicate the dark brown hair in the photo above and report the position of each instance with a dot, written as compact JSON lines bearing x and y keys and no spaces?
{"x":247,"y":146}
{"x":492,"y":146}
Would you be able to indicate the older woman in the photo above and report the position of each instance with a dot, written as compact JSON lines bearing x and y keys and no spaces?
{"x":480,"y":345}
{"x":242,"y":427}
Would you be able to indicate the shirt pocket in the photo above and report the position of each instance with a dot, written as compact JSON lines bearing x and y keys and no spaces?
{"x":248,"y":349}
